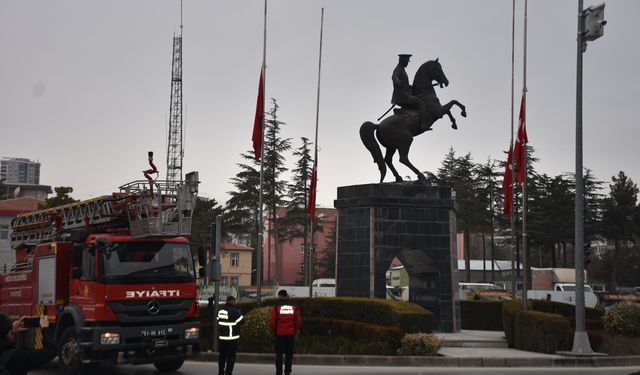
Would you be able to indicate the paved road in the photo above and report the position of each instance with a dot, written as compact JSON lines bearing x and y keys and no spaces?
{"x":202,"y":368}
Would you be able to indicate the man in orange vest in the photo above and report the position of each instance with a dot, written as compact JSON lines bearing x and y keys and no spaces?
{"x":284,"y":321}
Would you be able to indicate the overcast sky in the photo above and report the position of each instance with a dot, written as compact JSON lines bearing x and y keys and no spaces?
{"x":85,"y":85}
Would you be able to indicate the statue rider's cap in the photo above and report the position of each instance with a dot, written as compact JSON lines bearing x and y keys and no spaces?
{"x":404,"y":55}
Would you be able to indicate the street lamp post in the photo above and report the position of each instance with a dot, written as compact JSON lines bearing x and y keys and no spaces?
{"x":590,"y":27}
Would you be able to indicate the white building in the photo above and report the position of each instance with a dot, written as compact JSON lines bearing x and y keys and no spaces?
{"x":19,"y":171}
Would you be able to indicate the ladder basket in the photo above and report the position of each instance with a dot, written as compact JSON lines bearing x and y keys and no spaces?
{"x":166,"y":209}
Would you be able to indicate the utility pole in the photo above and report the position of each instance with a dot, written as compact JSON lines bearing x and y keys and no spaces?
{"x":590,"y":27}
{"x":216,"y":240}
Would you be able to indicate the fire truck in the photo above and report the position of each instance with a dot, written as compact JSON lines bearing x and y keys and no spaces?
{"x":114,"y":274}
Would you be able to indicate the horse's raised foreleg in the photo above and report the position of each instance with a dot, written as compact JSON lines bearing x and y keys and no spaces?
{"x":388,"y":158}
{"x":447,"y":110}
{"x":453,"y":120}
{"x":404,"y":159}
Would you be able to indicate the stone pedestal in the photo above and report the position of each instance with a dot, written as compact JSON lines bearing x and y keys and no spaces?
{"x":417,"y":224}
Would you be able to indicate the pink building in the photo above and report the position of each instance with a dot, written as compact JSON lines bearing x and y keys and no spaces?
{"x":292,"y":252}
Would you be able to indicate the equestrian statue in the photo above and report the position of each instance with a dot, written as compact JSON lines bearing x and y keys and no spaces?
{"x":420,"y":108}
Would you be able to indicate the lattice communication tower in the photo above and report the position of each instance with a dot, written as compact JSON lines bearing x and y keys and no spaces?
{"x":175,"y":150}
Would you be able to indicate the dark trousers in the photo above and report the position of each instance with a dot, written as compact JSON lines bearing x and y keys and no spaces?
{"x":227,"y":356}
{"x":284,"y":345}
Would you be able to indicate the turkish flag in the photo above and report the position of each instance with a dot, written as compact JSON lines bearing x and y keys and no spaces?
{"x":521,"y":142}
{"x":311,"y":207}
{"x":257,"y":122}
{"x":507,"y":186}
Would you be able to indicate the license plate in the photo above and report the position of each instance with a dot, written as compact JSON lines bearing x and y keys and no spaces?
{"x":153,"y":332}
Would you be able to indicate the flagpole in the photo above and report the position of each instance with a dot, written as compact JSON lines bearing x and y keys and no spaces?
{"x":512,"y":160}
{"x":315,"y":156}
{"x":260,"y":216}
{"x":525,"y":250}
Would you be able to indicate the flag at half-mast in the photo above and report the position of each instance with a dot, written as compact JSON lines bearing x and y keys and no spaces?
{"x":311,"y":206}
{"x":258,"y":120}
{"x":519,"y":152}
{"x":507,"y":186}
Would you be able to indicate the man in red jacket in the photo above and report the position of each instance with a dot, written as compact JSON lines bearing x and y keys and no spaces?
{"x":284,"y":322}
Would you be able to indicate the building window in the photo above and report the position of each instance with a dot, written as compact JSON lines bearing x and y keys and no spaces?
{"x":4,"y":232}
{"x":301,"y":267}
{"x":235,"y":259}
{"x":301,"y":249}
{"x":224,"y":281}
{"x":235,"y":281}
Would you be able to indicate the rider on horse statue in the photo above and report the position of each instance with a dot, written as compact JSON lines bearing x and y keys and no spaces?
{"x":396,"y":132}
{"x":402,"y":92}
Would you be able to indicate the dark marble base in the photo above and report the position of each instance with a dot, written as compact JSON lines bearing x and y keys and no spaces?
{"x":417,"y":224}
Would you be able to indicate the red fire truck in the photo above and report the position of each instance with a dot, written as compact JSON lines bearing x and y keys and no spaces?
{"x":114,"y":274}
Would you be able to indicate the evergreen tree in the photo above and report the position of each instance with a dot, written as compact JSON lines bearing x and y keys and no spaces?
{"x":550,"y":216}
{"x":460,"y":174}
{"x":274,"y":188}
{"x":593,"y":206}
{"x":298,"y":193}
{"x":62,"y":197}
{"x":328,"y":262}
{"x":620,"y":217}
{"x":490,"y":198}
{"x":243,"y":207}
{"x":297,"y":219}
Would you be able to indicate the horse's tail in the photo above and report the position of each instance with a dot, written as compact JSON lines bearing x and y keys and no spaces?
{"x":367,"y":135}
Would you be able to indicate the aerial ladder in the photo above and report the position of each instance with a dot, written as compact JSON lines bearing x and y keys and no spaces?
{"x":143,"y":209}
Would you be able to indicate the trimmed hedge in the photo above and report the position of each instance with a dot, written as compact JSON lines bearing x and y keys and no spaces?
{"x":509,"y":310}
{"x":332,"y":325}
{"x":256,"y":336}
{"x":332,"y":336}
{"x":541,"y":332}
{"x":481,"y":315}
{"x":408,"y":316}
{"x":565,"y":309}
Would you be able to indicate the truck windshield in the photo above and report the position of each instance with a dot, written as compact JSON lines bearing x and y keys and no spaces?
{"x":146,"y":262}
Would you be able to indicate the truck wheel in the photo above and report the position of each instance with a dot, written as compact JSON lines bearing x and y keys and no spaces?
{"x":69,"y":352}
{"x":168,"y":365}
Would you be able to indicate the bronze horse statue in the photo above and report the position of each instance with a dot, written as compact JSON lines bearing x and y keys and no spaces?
{"x":397,"y":131}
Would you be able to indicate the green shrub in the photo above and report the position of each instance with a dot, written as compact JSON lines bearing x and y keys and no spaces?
{"x":246,"y":306}
{"x":481,"y":315}
{"x":380,"y":339}
{"x":564,"y":309}
{"x":255,"y":336}
{"x":423,"y":344}
{"x":408,"y":316}
{"x":331,"y":336}
{"x":509,"y":309}
{"x":623,"y":318}
{"x":332,"y":325}
{"x":541,"y":332}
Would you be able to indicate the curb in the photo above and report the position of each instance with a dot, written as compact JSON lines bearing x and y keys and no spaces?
{"x":411,"y":361}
